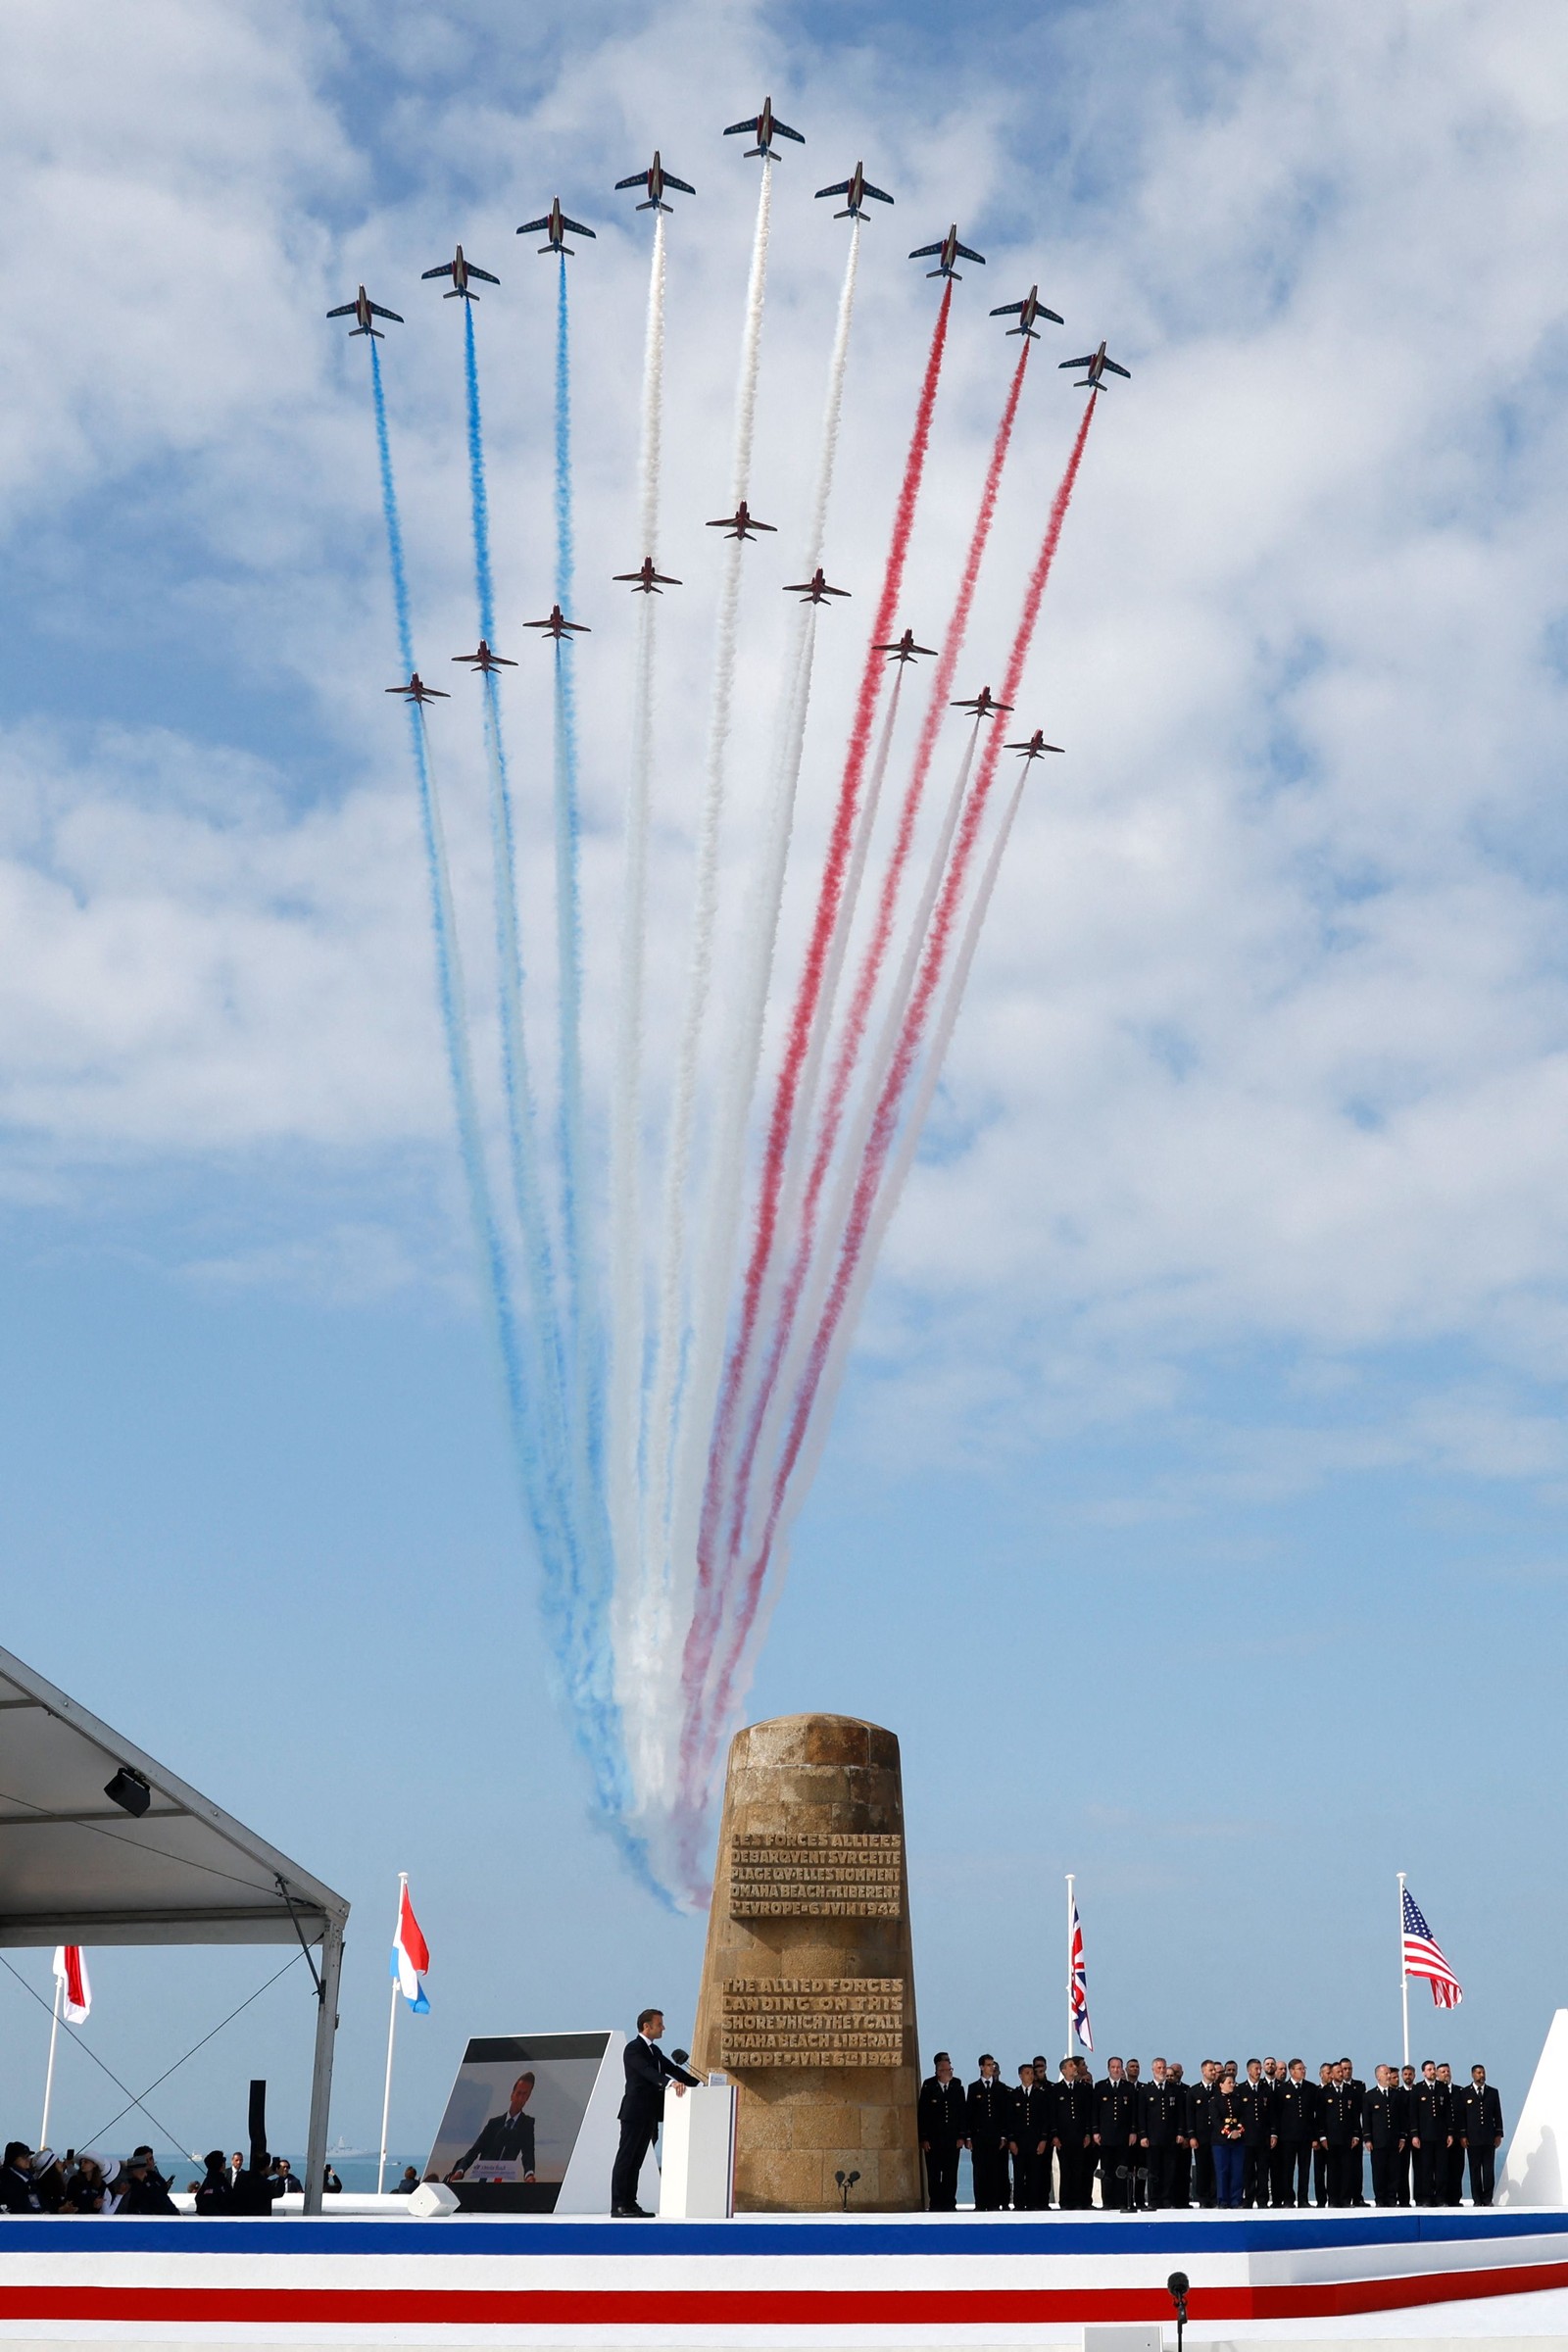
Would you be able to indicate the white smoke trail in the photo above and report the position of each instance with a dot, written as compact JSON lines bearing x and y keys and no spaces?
{"x":628,"y":1304}
{"x":835,"y":1215}
{"x":741,"y":1059}
{"x":658,"y":1425}
{"x":882,"y":1216}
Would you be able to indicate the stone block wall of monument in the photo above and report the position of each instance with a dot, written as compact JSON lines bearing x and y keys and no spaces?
{"x":807,"y":1996}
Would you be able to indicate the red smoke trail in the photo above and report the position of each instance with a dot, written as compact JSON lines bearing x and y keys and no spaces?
{"x":887,"y":1110}
{"x":810,"y":985}
{"x":864,"y":991}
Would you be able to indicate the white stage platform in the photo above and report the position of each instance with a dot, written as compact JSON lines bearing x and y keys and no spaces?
{"x":1425,"y":2277}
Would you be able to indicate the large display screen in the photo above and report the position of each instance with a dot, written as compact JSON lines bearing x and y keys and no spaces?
{"x":512,"y":2119}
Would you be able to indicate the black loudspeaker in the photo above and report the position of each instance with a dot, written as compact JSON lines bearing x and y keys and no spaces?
{"x":258,"y":2125}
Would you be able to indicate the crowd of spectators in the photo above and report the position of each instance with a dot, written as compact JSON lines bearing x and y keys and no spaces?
{"x":37,"y":2181}
{"x":1259,"y":2135}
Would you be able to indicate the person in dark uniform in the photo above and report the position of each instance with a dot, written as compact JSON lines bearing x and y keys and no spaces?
{"x":1161,"y":2111}
{"x":1200,"y":2101}
{"x":1407,"y":2082}
{"x":1048,"y":2108}
{"x":1075,"y":2135}
{"x":506,"y":2139}
{"x":1431,"y":2135}
{"x":1355,"y":2170}
{"x":1227,"y":2133}
{"x":1258,"y":2147}
{"x":1320,"y":2146}
{"x":1342,"y":2134}
{"x":1480,"y":2116}
{"x":1030,"y":2143}
{"x":1383,"y":2116}
{"x":988,"y":2124}
{"x":939,"y":2120}
{"x":1115,"y":2134}
{"x":1296,"y":2129}
{"x":1181,"y":2170}
{"x":642,"y":2109}
{"x":1274,"y":2079}
{"x":1453,"y":2182}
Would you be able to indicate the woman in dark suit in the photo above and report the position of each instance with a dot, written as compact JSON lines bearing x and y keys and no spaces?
{"x":1228,"y":2133}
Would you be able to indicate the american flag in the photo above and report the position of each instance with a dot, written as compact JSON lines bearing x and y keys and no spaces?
{"x":1078,"y":1985}
{"x":1423,"y":1957}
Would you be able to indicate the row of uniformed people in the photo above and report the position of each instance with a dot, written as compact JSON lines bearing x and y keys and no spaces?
{"x":1267,"y":2136}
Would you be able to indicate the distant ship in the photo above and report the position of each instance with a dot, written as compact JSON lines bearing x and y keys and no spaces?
{"x":341,"y":2152}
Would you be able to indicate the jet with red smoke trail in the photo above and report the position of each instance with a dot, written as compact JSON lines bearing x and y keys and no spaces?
{"x":1035,"y":747}
{"x":557,"y":625}
{"x":947,"y":250}
{"x":459,"y":271}
{"x":644,"y":580}
{"x":766,"y":128}
{"x":856,"y":188}
{"x":656,"y":179}
{"x":485,"y":661}
{"x":364,"y":309}
{"x":416,"y":691}
{"x":984,"y":705}
{"x":742,"y":524}
{"x":1027,"y":311}
{"x":816,"y":589}
{"x":555,"y":225}
{"x":904,"y":648}
{"x":1098,"y":365}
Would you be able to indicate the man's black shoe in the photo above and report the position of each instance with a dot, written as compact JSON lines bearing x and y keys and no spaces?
{"x":630,"y":2212}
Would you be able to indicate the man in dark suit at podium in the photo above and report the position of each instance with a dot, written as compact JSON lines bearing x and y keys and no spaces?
{"x":505,"y":2139}
{"x":642,"y":2109}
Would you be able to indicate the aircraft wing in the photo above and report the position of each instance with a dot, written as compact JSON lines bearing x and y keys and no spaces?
{"x":1041,"y":311}
{"x":684,"y":185}
{"x":445,"y":270}
{"x":1011,"y":310}
{"x":880,"y":194}
{"x":840,"y":187}
{"x":376,"y":312}
{"x":730,"y":128}
{"x":638,"y":179}
{"x":923,"y":253}
{"x":346,"y":310}
{"x":784,"y":132}
{"x":1087,"y":361}
{"x":578,"y":227}
{"x":474,"y":271}
{"x":969,"y":254}
{"x":529,"y":228}
{"x":1115,"y":370}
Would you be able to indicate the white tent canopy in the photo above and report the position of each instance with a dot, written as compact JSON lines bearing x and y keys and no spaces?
{"x":78,"y":1867}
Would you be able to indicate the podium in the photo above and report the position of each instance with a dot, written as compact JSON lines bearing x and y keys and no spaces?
{"x":697,"y":2175}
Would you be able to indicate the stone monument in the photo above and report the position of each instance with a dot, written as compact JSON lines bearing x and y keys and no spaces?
{"x":807,"y":1997}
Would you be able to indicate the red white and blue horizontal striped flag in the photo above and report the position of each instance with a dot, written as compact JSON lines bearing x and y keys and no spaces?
{"x":1423,"y":1957}
{"x":1078,"y":1986}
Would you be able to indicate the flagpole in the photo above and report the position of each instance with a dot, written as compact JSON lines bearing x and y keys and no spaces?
{"x":49,"y":2077}
{"x":391,"y":2038}
{"x":1070,"y":1884}
{"x":1404,"y":1980}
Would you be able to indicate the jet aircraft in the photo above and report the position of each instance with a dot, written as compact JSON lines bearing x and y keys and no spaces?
{"x":1096,"y":364}
{"x":905,"y":650}
{"x":364,"y":309}
{"x":555,"y":225}
{"x":646,"y":581}
{"x":856,"y":188}
{"x":768,"y":127}
{"x":948,"y":251}
{"x":742,"y":524}
{"x":416,"y":691}
{"x":1027,"y":311}
{"x":816,"y":589}
{"x":984,"y":705}
{"x":460,"y":271}
{"x":558,"y":625}
{"x":656,"y":179}
{"x":484,"y":661}
{"x":1035,"y":746}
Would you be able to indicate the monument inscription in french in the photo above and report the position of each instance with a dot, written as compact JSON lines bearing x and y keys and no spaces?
{"x":812,"y":2021}
{"x":827,"y":1874}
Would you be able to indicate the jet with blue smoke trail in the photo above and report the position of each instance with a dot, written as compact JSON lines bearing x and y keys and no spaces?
{"x":555,"y":225}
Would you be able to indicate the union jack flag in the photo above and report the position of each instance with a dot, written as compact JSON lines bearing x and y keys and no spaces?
{"x":1423,"y":1957}
{"x":1078,"y":1985}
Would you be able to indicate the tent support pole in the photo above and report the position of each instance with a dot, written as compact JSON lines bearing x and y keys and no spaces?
{"x":321,"y":2072}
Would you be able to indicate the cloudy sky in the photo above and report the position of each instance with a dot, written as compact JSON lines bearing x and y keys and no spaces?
{"x":1193,"y":1511}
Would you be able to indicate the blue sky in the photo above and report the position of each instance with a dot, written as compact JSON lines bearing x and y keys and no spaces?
{"x":1193,"y":1509}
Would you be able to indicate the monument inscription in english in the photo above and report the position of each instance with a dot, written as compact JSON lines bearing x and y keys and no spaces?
{"x":812,"y":2021}
{"x":828,"y":1875}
